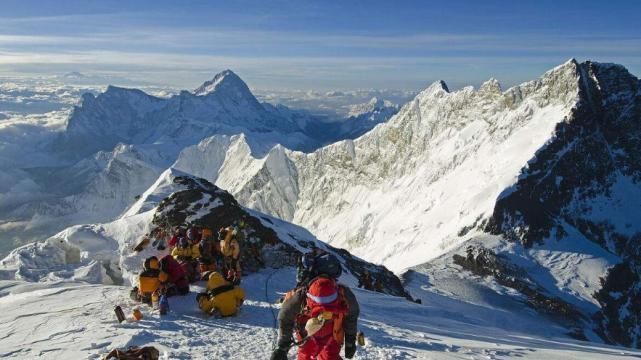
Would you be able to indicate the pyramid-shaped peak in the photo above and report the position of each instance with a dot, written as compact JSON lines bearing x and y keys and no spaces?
{"x":491,"y":85}
{"x":227,"y":80}
{"x":436,"y":87}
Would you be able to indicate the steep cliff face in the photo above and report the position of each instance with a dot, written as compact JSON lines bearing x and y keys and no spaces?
{"x":586,"y":183}
{"x":587,"y":176}
{"x":400,"y":194}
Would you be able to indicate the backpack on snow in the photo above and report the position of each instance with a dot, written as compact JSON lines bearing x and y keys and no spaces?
{"x":135,"y":353}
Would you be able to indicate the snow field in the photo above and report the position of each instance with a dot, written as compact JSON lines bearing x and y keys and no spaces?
{"x":75,"y":320}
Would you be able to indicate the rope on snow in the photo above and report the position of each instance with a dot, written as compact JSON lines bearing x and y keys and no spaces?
{"x":271,"y":308}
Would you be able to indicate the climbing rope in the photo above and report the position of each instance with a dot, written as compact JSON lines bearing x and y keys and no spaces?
{"x":271,"y":308}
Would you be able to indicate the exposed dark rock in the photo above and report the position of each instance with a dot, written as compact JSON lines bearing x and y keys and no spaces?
{"x":620,"y":299}
{"x":484,"y":262}
{"x":206,"y":205}
{"x":593,"y":150}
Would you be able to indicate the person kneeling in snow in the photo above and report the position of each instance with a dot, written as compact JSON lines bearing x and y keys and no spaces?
{"x":322,"y":313}
{"x":148,"y":281}
{"x":221,"y":298}
{"x":173,"y":279}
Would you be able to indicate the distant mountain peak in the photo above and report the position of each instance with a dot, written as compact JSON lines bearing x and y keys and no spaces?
{"x":437,"y":86}
{"x":226,"y":80}
{"x":74,"y":75}
{"x":373,"y":107}
{"x":491,"y":85}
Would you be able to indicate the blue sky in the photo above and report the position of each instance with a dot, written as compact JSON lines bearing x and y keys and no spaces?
{"x":318,"y":45}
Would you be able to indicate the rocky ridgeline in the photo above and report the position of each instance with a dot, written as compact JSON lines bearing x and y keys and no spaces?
{"x":267,"y":243}
{"x":587,"y":180}
{"x":482,"y":261}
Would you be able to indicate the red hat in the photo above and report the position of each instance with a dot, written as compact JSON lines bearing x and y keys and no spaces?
{"x":322,"y":295}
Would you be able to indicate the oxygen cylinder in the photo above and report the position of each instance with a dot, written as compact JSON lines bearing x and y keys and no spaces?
{"x":120,"y":315}
{"x":163,"y":305}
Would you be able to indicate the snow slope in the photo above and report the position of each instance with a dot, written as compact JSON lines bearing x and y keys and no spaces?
{"x":82,"y":325}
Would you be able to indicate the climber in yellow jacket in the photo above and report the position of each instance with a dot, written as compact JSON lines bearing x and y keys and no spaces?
{"x":187,"y":254}
{"x":230,"y":250}
{"x":148,"y":281}
{"x":185,"y":251}
{"x":222,"y":298}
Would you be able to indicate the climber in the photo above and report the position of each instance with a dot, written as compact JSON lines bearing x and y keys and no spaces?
{"x":378,"y":286}
{"x":194,"y":234}
{"x":148,"y":281}
{"x":209,"y":253}
{"x":173,"y":279}
{"x":322,"y":313}
{"x":365,"y":281}
{"x":222,"y":298}
{"x":207,"y":233}
{"x":178,"y":234}
{"x":230,"y":250}
{"x":187,"y":253}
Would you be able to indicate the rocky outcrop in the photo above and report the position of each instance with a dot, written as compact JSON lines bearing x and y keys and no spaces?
{"x":267,"y":242}
{"x":619,"y":321}
{"x":484,"y":262}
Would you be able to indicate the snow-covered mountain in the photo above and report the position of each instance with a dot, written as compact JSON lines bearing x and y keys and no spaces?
{"x":76,"y":269}
{"x":363,"y":117}
{"x":434,"y":168}
{"x":224,"y":105}
{"x":545,"y":174}
{"x":114,"y":145}
{"x":494,"y":199}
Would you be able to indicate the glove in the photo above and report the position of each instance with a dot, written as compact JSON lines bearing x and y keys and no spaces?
{"x":279,"y":354}
{"x":350,"y":346}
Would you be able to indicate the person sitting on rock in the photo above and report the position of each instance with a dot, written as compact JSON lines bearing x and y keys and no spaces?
{"x":221,"y":298}
{"x":172,"y":277}
{"x":230,"y":249}
{"x":187,"y":253}
{"x":209,"y":253}
{"x":194,"y":234}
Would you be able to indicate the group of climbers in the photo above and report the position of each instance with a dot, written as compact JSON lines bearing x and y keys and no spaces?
{"x":198,"y":251}
{"x":319,"y":316}
{"x":195,"y":255}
